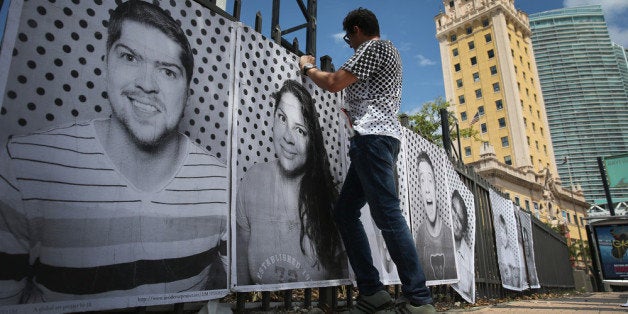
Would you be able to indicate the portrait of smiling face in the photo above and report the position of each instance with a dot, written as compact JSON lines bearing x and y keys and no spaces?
{"x":460,"y":218}
{"x":428,"y":189}
{"x":290,"y":134}
{"x":146,"y":82}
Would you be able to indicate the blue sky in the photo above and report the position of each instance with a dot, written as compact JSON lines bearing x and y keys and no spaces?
{"x":410,"y":25}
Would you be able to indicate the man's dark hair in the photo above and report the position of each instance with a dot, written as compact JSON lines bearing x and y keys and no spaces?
{"x":423,"y":156}
{"x":362,"y":18}
{"x":151,"y":15}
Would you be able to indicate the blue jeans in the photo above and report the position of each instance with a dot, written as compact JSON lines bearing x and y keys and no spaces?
{"x":371,"y":179}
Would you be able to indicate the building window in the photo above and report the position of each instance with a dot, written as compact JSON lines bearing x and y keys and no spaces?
{"x":485,"y":22}
{"x":533,"y":126}
{"x":529,"y":66}
{"x":525,"y":49}
{"x":515,"y":69}
{"x":545,"y":149}
{"x":535,"y":98}
{"x":517,"y":201}
{"x":530,"y":108}
{"x":502,"y":122}
{"x":508,"y":160}
{"x":478,"y":93}
{"x":524,"y":74}
{"x":541,"y":131}
{"x":488,"y":38}
{"x":531,"y":160}
{"x":459,"y":83}
{"x":451,"y":4}
{"x":496,"y":87}
{"x":461,"y":99}
{"x":512,"y":52}
{"x":499,"y":105}
{"x":463,"y":116}
{"x":491,"y":54}
{"x":481,"y":110}
{"x":525,"y":121}
{"x":505,"y":142}
{"x":536,"y":143}
{"x":469,"y":30}
{"x":528,"y":138}
{"x":538,"y":115}
{"x":521,"y":102}
{"x":493,"y":70}
{"x":532,"y":82}
{"x":474,"y":61}
{"x":471,"y":45}
{"x":476,"y":77}
{"x":483,"y":128}
{"x":518,"y":43}
{"x":520,"y":59}
{"x":467,"y":151}
{"x":455,"y":52}
{"x":527,"y":205}
{"x":519,"y":87}
{"x":457,"y":67}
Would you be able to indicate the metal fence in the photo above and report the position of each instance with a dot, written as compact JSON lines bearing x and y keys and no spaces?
{"x":551,"y":252}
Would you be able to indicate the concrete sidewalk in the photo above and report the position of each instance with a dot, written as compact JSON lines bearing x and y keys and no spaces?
{"x":597,"y":302}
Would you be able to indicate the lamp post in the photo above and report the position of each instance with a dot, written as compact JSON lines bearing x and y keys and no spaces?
{"x":573,"y":204}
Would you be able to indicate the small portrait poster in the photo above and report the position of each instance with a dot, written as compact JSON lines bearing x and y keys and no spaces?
{"x":525,"y":222}
{"x":430,"y":209}
{"x":506,"y":237}
{"x":463,"y":220}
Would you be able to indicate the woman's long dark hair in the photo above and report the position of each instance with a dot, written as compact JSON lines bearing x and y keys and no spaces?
{"x":316,"y":192}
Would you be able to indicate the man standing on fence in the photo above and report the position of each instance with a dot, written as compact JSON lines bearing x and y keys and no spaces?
{"x":372,"y":77}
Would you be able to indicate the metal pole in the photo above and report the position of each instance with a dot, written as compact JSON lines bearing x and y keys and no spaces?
{"x":444,"y":123}
{"x":607,"y":190}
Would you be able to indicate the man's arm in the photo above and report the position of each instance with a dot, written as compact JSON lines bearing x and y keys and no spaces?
{"x":329,"y":81}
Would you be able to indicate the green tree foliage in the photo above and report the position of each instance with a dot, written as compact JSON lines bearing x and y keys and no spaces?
{"x":427,"y":122}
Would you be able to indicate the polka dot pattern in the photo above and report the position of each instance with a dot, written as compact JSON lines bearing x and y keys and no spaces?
{"x":58,"y":72}
{"x":505,"y":207}
{"x":263,"y":66}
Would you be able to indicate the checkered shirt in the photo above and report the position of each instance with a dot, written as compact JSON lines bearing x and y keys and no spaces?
{"x":374,"y":100}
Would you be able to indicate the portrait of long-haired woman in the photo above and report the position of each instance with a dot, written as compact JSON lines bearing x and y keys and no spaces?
{"x":285,"y":232}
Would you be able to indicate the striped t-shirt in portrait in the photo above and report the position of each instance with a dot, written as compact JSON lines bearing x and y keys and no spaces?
{"x":75,"y":224}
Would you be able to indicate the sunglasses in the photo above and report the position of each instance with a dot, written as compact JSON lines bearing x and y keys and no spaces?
{"x":347,"y":39}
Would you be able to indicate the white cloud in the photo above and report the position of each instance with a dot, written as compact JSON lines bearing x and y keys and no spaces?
{"x":619,"y":35}
{"x":423,"y":61}
{"x":615,"y":12}
{"x":338,"y":37}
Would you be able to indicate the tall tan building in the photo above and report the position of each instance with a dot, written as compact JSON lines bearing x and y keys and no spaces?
{"x":491,"y":79}
{"x":489,"y":70}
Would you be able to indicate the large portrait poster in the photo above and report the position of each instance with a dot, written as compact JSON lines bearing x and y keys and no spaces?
{"x":525,"y":223}
{"x":612,"y":244}
{"x":430,"y":213}
{"x":463,"y":219}
{"x":288,"y":162}
{"x":115,"y":136}
{"x":506,"y":238}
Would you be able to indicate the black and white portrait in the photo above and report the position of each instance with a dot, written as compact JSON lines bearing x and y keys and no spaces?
{"x":288,"y":152}
{"x":285,"y":229}
{"x":506,"y":234}
{"x":110,"y":186}
{"x":430,"y":210}
{"x":525,"y":222}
